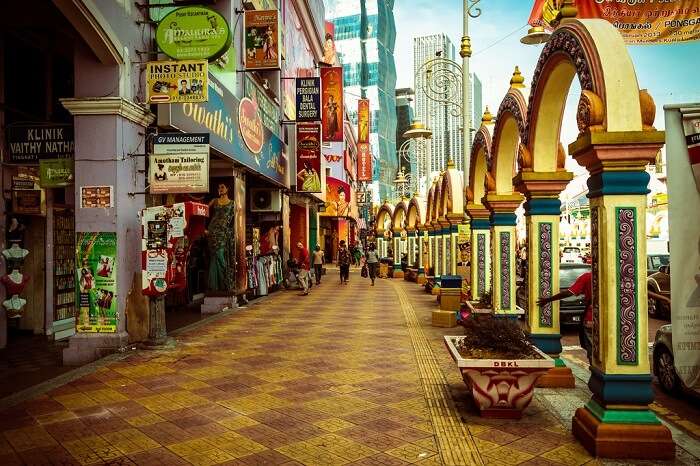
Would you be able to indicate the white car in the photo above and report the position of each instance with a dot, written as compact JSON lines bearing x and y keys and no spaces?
{"x":571,"y":255}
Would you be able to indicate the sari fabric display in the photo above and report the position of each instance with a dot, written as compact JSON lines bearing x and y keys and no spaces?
{"x":221,"y":250}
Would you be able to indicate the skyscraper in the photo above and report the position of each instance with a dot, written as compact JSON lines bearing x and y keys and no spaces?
{"x":364,"y":38}
{"x":404,"y":117}
{"x":477,"y":102}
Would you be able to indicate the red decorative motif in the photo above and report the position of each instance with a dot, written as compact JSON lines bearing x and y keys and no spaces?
{"x":627,"y":283}
{"x":250,"y":125}
{"x":511,"y":105}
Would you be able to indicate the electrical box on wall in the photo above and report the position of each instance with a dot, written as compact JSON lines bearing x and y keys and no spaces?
{"x":265,"y":200}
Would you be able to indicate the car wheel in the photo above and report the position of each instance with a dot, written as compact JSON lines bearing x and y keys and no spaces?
{"x":665,"y":371}
{"x":654,"y":307}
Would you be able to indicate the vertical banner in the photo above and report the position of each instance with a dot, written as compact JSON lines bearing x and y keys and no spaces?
{"x":308,"y":99}
{"x":308,"y":158}
{"x":239,"y":192}
{"x":96,"y":274}
{"x":262,"y":39}
{"x":332,"y":103}
{"x":363,"y":120}
{"x":364,"y":162}
{"x":691,"y":129}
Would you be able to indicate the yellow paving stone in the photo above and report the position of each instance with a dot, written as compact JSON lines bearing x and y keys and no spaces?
{"x":410,"y":452}
{"x":158,"y":404}
{"x":208,"y":458}
{"x":270,"y":388}
{"x":341,"y":405}
{"x":425,"y":426}
{"x":349,"y":376}
{"x":119,"y":382}
{"x":484,"y":446}
{"x":311,"y":455}
{"x":193,"y":385}
{"x":238,"y":422}
{"x":186,"y":398}
{"x":145,"y":420}
{"x":344,"y":389}
{"x":92,"y":450}
{"x":506,"y":455}
{"x":235,"y":445}
{"x":75,"y":401}
{"x":191,"y":447}
{"x":58,"y":416}
{"x":477,"y":428}
{"x":106,"y":396}
{"x":431,"y":461}
{"x":209,"y":372}
{"x":568,"y":454}
{"x":333,"y":424}
{"x":254,"y":403}
{"x":280,"y":375}
{"x":342,"y":447}
{"x":144,"y":370}
{"x":428,"y":442}
{"x":27,"y":438}
{"x":130,"y":441}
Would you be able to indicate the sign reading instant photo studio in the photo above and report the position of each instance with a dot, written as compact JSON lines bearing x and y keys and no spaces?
{"x":175,"y":82}
{"x":193,"y":33}
{"x":179,"y":163}
{"x":364,"y":162}
{"x":33,"y":142}
{"x":262,"y":39}
{"x":363,"y":120}
{"x":332,"y":103}
{"x":308,"y":99}
{"x":308,"y":158}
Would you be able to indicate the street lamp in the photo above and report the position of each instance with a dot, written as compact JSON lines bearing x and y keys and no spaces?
{"x":419,"y":134}
{"x":401,"y":183}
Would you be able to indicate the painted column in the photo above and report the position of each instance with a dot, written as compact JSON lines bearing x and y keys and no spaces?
{"x":480,"y":262}
{"x":398,"y":273}
{"x":445,"y":245}
{"x":617,"y":419}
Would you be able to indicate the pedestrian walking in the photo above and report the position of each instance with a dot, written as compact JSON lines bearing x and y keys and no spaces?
{"x":344,"y":262}
{"x":318,"y":256}
{"x":372,"y":261}
{"x":356,"y":255}
{"x":304,"y":267}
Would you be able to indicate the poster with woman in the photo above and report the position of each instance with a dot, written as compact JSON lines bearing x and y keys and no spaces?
{"x":308,"y":178}
{"x":97,"y":278}
{"x":332,"y":103}
{"x":262,"y":39}
{"x":337,"y":198}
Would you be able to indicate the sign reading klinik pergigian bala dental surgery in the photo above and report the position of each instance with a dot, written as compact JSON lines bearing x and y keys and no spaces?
{"x":193,"y":33}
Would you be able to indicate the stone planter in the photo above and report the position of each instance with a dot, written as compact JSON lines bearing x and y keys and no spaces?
{"x":473,"y":309}
{"x":501,"y":388}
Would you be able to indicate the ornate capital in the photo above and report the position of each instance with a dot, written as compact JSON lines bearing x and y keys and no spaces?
{"x":590,"y":113}
{"x":109,"y":106}
{"x":616,"y":151}
{"x":503,"y":203}
{"x":477,"y":211}
{"x":542,"y":184}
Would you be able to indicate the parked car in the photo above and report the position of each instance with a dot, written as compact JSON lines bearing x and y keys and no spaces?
{"x":571,"y":309}
{"x":663,"y":363}
{"x":660,"y":283}
{"x":571,"y":255}
{"x":656,"y":261}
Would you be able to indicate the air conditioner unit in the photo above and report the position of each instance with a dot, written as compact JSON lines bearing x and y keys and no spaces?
{"x":265,"y":200}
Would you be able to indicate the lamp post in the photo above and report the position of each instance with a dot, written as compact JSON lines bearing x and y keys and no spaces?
{"x":413,"y":151}
{"x":401,"y":184}
{"x":419,"y":134}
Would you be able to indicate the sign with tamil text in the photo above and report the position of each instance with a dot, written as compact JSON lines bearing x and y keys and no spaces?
{"x":176,"y":82}
{"x":55,"y":173}
{"x":364,"y":162}
{"x":32,"y":142}
{"x":179,"y":163}
{"x":363,"y":120}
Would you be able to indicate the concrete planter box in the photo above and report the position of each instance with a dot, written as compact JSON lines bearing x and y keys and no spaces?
{"x":500,"y":388}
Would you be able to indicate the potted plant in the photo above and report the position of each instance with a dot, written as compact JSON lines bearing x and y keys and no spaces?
{"x":498,"y":364}
{"x":481,"y":306}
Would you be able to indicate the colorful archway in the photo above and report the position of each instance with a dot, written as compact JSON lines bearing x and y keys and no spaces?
{"x":400,"y":239}
{"x":451,"y":211}
{"x":383,"y":228}
{"x":417,"y":236}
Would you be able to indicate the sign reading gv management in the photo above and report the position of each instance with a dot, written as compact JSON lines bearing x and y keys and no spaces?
{"x":175,"y":82}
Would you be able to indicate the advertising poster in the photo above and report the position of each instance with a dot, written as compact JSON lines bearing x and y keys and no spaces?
{"x":193,"y":33}
{"x":308,"y":158}
{"x":638,"y":21}
{"x":33,"y":142}
{"x":96,"y":197}
{"x":333,"y":156}
{"x":239,"y":235}
{"x":308,"y":99}
{"x":28,"y":202}
{"x":337,"y":198}
{"x":179,"y":163}
{"x":170,"y":82}
{"x":363,"y":120}
{"x":332,"y":103}
{"x":262,"y":39}
{"x":96,"y":274}
{"x":330,"y":56}
{"x":691,"y":129}
{"x":364,"y":162}
{"x":55,"y":173}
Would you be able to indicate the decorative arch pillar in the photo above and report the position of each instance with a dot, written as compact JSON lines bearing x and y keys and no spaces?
{"x":542,"y":216}
{"x":480,"y":269}
{"x":399,"y":243}
{"x":617,"y":420}
{"x":502,"y":208}
{"x":452,"y":241}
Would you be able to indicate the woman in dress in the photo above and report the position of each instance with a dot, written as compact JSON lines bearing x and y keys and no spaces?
{"x":220,"y":241}
{"x":332,"y":117}
{"x":310,"y":181}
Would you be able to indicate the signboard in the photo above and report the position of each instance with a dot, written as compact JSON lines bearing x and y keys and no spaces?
{"x":308,"y":178}
{"x":176,"y":82}
{"x":28,"y":202}
{"x":96,"y":276}
{"x":179,"y":163}
{"x":96,"y":197}
{"x":364,"y":162}
{"x":33,"y":142}
{"x":333,"y":156}
{"x":193,"y":33}
{"x":298,"y":62}
{"x":55,"y":173}
{"x":363,"y":120}
{"x":250,"y":125}
{"x":691,"y":129}
{"x":219,"y":116}
{"x":267,"y":109}
{"x":332,"y":103}
{"x":224,"y":68}
{"x":330,"y":56}
{"x":262,"y":39}
{"x":308,"y":99}
{"x":337,"y":198}
{"x":638,"y":21}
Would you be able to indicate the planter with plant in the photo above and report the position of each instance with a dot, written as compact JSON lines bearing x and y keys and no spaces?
{"x":481,"y":306}
{"x":498,"y":364}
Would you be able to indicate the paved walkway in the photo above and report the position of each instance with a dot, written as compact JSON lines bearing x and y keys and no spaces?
{"x":346,"y":375}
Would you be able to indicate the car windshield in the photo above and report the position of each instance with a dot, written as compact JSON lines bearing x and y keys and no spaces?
{"x":568,"y":274}
{"x":571,"y":250}
{"x":658,"y":261}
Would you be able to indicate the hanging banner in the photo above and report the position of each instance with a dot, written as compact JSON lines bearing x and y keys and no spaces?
{"x":56,"y":173}
{"x":308,"y":99}
{"x":333,"y":157}
{"x":308,"y":158}
{"x":337,"y":198}
{"x":33,"y":142}
{"x":262,"y":39}
{"x":179,"y":163}
{"x":691,"y":128}
{"x":364,"y":162}
{"x":96,"y":275}
{"x":193,"y":33}
{"x":639,"y":22}
{"x":175,"y":82}
{"x":332,"y":103}
{"x":363,"y":120}
{"x":330,"y":56}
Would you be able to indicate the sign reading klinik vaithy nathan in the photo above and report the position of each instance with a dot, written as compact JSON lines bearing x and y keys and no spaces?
{"x":193,"y":33}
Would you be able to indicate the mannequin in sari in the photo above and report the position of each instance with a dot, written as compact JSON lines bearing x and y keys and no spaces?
{"x":220,"y":242}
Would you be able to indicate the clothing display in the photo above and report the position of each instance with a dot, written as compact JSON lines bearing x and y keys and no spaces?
{"x":14,"y":282}
{"x":15,"y":253}
{"x":264,"y":272}
{"x":221,"y":250}
{"x":15,"y":304}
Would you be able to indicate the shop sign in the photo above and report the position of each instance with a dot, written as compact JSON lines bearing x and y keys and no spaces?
{"x":56,"y":173}
{"x":337,"y":198}
{"x":308,"y":178}
{"x":308,"y":99}
{"x":28,"y":202}
{"x":250,"y":125}
{"x":332,"y":103}
{"x":268,"y":110}
{"x":259,"y":4}
{"x":175,"y":82}
{"x":96,"y":197}
{"x":691,"y":129}
{"x":262,"y":39}
{"x":96,"y":276}
{"x":33,"y":142}
{"x":363,"y":120}
{"x":193,"y":33}
{"x":364,"y":162}
{"x":179,"y":163}
{"x":219,"y":116}
{"x":333,"y":156}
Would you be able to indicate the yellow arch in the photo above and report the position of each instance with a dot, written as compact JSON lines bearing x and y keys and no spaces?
{"x":481,"y":153}
{"x":451,"y":197}
{"x":416,"y":214}
{"x":385,"y":212}
{"x":511,"y":126}
{"x":398,"y":220}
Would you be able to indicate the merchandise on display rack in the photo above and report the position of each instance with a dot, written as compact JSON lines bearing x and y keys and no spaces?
{"x":64,"y":264}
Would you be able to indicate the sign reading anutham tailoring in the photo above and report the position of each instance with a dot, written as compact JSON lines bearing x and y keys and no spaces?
{"x":33,"y":142}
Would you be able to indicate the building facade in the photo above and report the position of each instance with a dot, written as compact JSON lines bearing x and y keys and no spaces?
{"x":365,"y":34}
{"x":404,"y":117}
